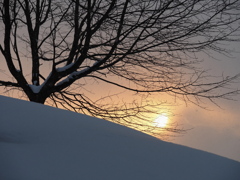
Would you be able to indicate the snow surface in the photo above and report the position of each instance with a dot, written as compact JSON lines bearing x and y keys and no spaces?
{"x":39,"y":142}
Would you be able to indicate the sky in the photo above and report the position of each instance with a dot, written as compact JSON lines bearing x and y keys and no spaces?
{"x":218,"y":128}
{"x":40,"y":142}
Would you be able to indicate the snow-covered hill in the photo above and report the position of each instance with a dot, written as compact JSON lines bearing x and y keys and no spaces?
{"x":38,"y":142}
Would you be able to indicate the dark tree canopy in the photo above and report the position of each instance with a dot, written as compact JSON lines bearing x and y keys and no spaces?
{"x":149,"y":44}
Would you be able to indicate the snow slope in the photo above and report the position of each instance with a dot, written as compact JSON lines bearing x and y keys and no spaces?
{"x":38,"y":142}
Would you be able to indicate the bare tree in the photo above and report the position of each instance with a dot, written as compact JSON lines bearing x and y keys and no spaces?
{"x":150,"y":44}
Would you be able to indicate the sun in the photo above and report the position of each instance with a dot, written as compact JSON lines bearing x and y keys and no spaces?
{"x":161,"y":121}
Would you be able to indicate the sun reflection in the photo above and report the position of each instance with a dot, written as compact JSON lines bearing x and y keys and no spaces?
{"x":161,"y":121}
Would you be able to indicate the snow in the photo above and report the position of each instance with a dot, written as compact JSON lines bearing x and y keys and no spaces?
{"x":35,"y":89}
{"x":64,"y":68}
{"x":39,"y":142}
{"x":75,"y":73}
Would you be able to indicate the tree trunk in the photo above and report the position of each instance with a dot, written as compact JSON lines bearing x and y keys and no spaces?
{"x":37,"y":97}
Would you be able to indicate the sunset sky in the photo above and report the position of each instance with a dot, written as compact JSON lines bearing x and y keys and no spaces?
{"x":215,"y":130}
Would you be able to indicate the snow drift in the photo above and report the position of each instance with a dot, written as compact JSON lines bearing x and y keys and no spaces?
{"x":39,"y":142}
